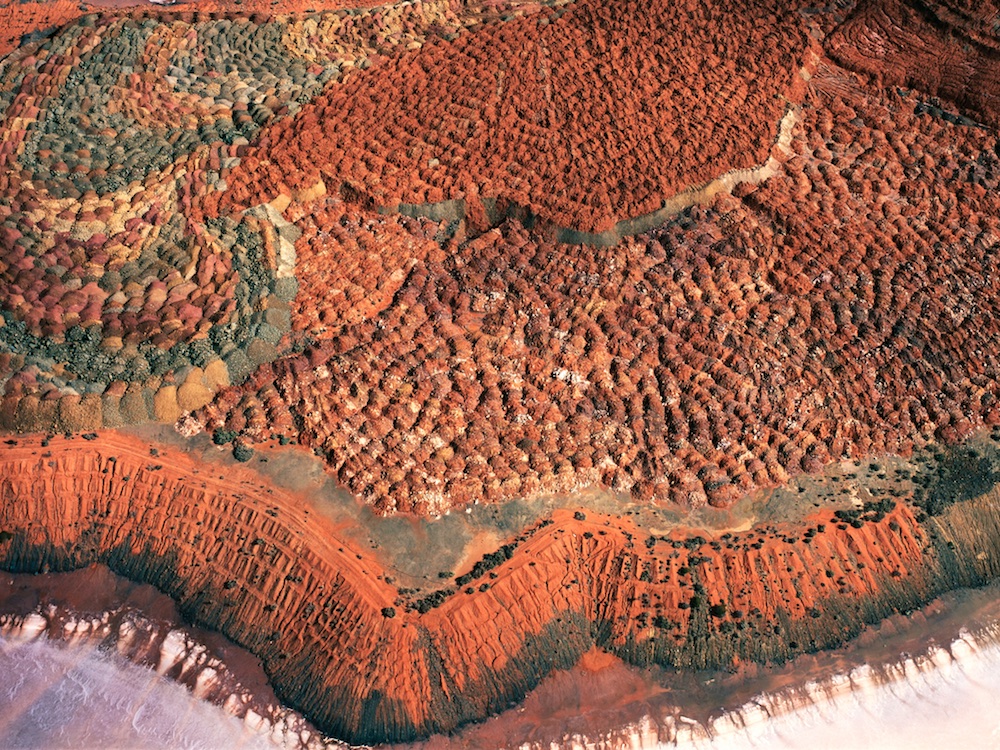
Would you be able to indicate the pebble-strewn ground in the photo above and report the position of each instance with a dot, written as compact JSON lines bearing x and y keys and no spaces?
{"x":121,"y":303}
{"x":829,"y":311}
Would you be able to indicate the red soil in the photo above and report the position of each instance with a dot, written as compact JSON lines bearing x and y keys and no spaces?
{"x":695,"y":89}
{"x":974,"y":18}
{"x":20,"y":18}
{"x":945,"y":49}
{"x":846,"y":306}
{"x":254,"y":562}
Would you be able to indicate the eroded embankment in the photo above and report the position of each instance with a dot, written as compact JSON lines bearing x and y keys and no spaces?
{"x":370,"y":663}
{"x":604,"y":704}
{"x":457,"y":211}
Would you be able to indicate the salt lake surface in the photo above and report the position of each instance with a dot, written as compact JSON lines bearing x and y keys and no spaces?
{"x":54,"y":695}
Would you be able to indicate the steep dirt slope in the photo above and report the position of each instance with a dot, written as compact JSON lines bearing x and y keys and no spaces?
{"x":371,"y":663}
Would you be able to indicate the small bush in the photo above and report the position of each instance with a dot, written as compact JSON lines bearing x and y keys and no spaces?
{"x":221,"y":437}
{"x":242,"y":452}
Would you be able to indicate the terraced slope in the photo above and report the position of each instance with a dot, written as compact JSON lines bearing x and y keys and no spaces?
{"x":946,"y":49}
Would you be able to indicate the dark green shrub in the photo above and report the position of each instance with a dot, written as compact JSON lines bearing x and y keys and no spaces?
{"x":221,"y":437}
{"x":242,"y":452}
